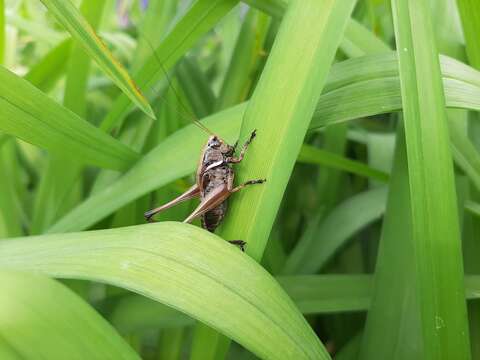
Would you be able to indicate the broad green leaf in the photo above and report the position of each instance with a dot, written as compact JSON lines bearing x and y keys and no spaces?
{"x":199,"y":19}
{"x":435,"y":227}
{"x":42,"y":319}
{"x":166,"y":162}
{"x":73,"y":21}
{"x":311,"y":155}
{"x":27,"y":113}
{"x":282,"y":124}
{"x":184,"y":267}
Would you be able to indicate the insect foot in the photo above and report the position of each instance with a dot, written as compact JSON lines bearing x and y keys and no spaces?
{"x":240,"y":243}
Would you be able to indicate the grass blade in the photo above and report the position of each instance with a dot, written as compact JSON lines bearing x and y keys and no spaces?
{"x":182,"y":266}
{"x":311,"y":155}
{"x":69,"y":16}
{"x":40,"y":311}
{"x":436,"y":235}
{"x":321,"y":24}
{"x":27,"y":113}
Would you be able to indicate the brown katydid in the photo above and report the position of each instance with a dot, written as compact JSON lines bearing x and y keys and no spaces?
{"x":214,"y":180}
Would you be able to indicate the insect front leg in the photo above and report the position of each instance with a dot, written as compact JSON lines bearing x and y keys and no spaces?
{"x":233,"y":159}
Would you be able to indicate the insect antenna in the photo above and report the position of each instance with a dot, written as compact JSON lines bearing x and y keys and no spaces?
{"x":191,"y":116}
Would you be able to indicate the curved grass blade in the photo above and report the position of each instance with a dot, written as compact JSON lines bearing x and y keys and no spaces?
{"x":182,"y":266}
{"x":35,"y":310}
{"x":69,"y":16}
{"x":27,"y":113}
{"x":436,"y":236}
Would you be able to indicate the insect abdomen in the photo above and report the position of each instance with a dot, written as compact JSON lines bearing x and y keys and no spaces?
{"x":213,"y":218}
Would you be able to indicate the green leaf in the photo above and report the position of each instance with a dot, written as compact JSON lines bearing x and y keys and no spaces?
{"x":436,"y":234}
{"x":80,"y":29}
{"x":281,"y":126}
{"x":311,"y":155}
{"x":42,"y":319}
{"x":184,"y":267}
{"x":199,"y":19}
{"x":27,"y":113}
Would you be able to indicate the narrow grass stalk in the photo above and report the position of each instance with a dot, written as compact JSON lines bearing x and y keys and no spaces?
{"x":436,"y":235}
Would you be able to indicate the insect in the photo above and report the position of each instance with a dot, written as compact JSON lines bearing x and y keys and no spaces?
{"x":214,"y":180}
{"x":214,"y":184}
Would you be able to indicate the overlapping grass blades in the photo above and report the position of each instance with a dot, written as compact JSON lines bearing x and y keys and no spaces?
{"x":30,"y":115}
{"x":182,"y":266}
